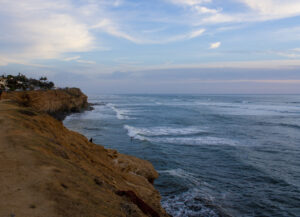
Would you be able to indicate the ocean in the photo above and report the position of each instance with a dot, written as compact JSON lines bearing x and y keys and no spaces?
{"x":217,"y":155}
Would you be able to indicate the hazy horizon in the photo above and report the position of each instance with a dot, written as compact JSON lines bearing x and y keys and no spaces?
{"x":158,"y":46}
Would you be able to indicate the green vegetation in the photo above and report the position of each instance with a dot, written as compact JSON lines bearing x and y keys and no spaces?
{"x":21,"y":82}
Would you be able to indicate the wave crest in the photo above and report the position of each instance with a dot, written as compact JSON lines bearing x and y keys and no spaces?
{"x":162,"y":131}
{"x":191,"y":204}
{"x":120,"y":113}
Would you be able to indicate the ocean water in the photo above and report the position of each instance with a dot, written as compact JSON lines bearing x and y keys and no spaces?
{"x":217,"y":155}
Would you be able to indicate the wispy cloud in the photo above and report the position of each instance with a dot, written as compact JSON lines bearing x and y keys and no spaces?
{"x":263,"y":64}
{"x":196,"y":33}
{"x":5,"y":61}
{"x":274,"y":9}
{"x":257,"y":11}
{"x":214,"y":81}
{"x":215,"y":45}
{"x":291,"y":53}
{"x":197,"y":6}
{"x":205,"y":10}
{"x":180,"y":37}
{"x":71,"y":58}
{"x":78,"y":60}
{"x":117,"y":3}
{"x":86,"y":61}
{"x":111,"y":28}
{"x":296,"y":49}
{"x":190,"y":2}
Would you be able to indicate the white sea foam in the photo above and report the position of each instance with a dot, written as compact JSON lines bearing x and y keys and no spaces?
{"x":190,"y":177}
{"x":153,"y":135}
{"x":247,"y":108}
{"x":199,"y":140}
{"x":189,"y":204}
{"x":162,"y":131}
{"x":120,"y":113}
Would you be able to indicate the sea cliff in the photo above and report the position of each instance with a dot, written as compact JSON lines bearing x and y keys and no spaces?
{"x":58,"y":103}
{"x":47,"y":170}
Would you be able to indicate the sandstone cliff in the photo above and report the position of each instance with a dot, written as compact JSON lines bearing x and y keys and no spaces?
{"x":47,"y":170}
{"x":58,"y":102}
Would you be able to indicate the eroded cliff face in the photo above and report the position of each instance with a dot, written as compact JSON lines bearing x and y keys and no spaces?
{"x":58,"y":102}
{"x":47,"y":170}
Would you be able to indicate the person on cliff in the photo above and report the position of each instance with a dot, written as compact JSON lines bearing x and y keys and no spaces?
{"x":91,"y":140}
{"x":1,"y":92}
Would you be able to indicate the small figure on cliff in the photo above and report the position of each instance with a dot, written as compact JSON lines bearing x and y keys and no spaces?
{"x":91,"y":140}
{"x":131,"y":138}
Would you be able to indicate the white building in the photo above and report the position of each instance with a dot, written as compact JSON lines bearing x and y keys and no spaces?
{"x":3,"y":82}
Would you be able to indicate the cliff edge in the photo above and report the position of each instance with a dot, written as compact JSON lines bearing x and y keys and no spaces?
{"x":47,"y":170}
{"x":58,"y":103}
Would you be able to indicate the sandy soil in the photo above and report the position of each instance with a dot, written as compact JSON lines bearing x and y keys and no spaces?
{"x":47,"y":170}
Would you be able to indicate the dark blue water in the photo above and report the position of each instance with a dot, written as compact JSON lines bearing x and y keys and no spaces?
{"x":233,"y":155}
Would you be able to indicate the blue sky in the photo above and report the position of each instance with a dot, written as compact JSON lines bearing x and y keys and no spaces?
{"x":155,"y":46}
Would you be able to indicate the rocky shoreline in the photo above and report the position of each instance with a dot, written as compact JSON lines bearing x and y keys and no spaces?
{"x":47,"y":170}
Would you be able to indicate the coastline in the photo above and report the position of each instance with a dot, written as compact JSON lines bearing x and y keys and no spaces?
{"x":49,"y":170}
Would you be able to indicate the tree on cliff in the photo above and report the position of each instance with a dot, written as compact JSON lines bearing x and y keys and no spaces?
{"x":21,"y":82}
{"x":43,"y":79}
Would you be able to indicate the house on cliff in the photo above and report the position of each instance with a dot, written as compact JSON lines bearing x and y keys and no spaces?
{"x":3,"y":83}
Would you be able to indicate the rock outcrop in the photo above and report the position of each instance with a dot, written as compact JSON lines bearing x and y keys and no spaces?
{"x":58,"y":103}
{"x":47,"y":170}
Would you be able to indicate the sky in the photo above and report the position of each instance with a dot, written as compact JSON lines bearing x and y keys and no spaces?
{"x":155,"y":46}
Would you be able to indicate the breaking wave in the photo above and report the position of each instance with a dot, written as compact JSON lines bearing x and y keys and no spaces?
{"x":192,"y":203}
{"x":162,"y":131}
{"x":120,"y":113}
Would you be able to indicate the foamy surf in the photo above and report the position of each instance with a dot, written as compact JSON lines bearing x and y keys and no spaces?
{"x":180,"y":173}
{"x":199,"y":140}
{"x":181,"y":136}
{"x":120,"y":113}
{"x":190,"y":204}
{"x":247,"y":108}
{"x":162,"y":131}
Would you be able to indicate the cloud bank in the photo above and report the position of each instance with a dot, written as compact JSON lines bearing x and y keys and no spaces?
{"x":103,"y":37}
